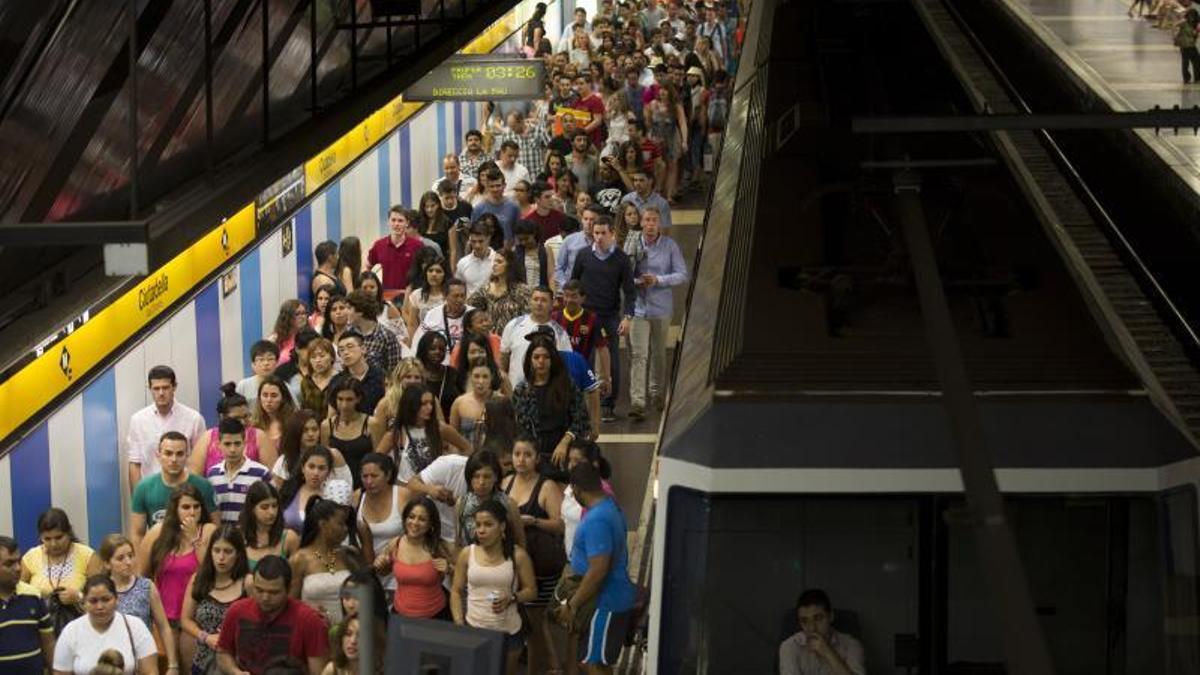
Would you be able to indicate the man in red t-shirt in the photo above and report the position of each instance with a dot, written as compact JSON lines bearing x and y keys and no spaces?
{"x":548,"y":219}
{"x":395,"y":252}
{"x":270,"y":625}
{"x":590,"y":101}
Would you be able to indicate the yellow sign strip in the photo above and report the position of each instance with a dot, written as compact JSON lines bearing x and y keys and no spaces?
{"x":37,"y":384}
{"x":72,"y":358}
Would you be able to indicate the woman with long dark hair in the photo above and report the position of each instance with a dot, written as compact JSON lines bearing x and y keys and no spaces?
{"x":349,"y":263}
{"x":220,"y":582}
{"x":274,"y":407}
{"x":302,"y":434}
{"x":173,"y":550}
{"x":322,"y":563}
{"x":483,"y":474}
{"x":504,"y":296}
{"x":549,"y":407}
{"x":500,"y":430}
{"x":441,"y":379}
{"x":427,"y":291}
{"x":485,"y":576}
{"x":58,"y":566}
{"x":348,"y":431}
{"x":390,"y":316}
{"x":418,"y":560}
{"x":262,"y":527}
{"x":434,"y":225}
{"x":539,"y":501}
{"x":313,"y":479}
{"x":417,"y":437}
{"x":380,"y":503}
{"x":337,"y":318}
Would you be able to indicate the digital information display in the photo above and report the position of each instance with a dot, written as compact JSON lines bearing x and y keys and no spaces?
{"x":481,"y":78}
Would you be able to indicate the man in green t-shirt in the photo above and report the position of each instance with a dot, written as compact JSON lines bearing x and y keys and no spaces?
{"x":152,"y":493}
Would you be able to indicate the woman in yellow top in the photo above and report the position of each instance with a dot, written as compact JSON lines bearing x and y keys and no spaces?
{"x":61,"y":564}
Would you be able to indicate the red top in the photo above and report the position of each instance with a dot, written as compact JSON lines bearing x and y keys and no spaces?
{"x":395,"y":260}
{"x":418,"y":590}
{"x":548,"y":225}
{"x":298,"y":631}
{"x":595,"y":105}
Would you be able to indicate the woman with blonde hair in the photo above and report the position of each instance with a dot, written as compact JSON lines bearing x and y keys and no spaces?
{"x":408,"y":372}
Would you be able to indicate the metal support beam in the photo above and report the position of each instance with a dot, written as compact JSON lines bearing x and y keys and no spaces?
{"x":1024,"y":644}
{"x":1157,"y":118}
{"x":73,"y":234}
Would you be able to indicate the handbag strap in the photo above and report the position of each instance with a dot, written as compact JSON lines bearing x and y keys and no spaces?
{"x":132,"y":644}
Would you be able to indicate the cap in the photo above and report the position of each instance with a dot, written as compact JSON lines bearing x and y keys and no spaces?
{"x":542,"y":332}
{"x":695,"y":70}
{"x":655,"y":61}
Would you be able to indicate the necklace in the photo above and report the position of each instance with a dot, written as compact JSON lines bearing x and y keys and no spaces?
{"x":221,"y":588}
{"x":329,"y":560}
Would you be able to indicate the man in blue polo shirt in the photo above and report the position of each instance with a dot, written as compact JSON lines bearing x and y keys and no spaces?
{"x":26,"y":632}
{"x":600,"y":555}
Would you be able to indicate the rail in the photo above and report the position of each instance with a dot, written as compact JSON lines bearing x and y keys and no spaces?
{"x":1146,"y":278}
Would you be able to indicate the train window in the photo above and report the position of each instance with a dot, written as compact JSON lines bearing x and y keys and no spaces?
{"x":1113,"y":577}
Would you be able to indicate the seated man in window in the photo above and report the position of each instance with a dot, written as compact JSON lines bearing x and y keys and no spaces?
{"x":818,"y":649}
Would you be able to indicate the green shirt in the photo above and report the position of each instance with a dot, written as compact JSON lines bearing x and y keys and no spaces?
{"x":151,"y":495}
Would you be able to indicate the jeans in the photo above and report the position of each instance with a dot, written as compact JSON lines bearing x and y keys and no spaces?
{"x":609,"y":323}
{"x":647,"y":347}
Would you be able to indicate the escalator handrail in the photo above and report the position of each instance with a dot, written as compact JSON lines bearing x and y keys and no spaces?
{"x":1140,"y":269}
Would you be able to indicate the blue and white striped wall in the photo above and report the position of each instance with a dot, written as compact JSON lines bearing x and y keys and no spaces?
{"x":75,"y":459}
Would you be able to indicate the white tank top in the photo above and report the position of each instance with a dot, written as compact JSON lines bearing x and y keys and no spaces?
{"x":483,"y":580}
{"x":383,"y":532}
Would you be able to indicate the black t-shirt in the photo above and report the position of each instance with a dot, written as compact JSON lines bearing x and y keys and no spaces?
{"x":609,"y":194}
{"x":561,"y":145}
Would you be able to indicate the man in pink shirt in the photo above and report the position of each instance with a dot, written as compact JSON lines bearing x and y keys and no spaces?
{"x":395,"y":252}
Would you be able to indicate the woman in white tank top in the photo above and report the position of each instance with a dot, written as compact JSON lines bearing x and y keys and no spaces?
{"x":495,"y":575}
{"x":379,"y":507}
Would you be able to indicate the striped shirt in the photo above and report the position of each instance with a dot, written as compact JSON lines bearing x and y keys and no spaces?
{"x":231,"y":491}
{"x":23,"y":621}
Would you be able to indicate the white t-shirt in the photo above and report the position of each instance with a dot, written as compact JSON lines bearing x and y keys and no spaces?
{"x":512,"y":176}
{"x":80,"y":646}
{"x":474,"y":271}
{"x":147,"y":426}
{"x":435,"y":321}
{"x":447,"y":471}
{"x":513,"y":343}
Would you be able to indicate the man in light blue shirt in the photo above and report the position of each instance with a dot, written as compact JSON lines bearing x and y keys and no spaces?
{"x":643,"y":195}
{"x":573,"y":244}
{"x":657,"y":267}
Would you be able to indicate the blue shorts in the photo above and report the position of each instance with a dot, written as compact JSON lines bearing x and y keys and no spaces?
{"x":601,"y":643}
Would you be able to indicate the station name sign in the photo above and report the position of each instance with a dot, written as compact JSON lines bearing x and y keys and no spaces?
{"x":481,"y":78}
